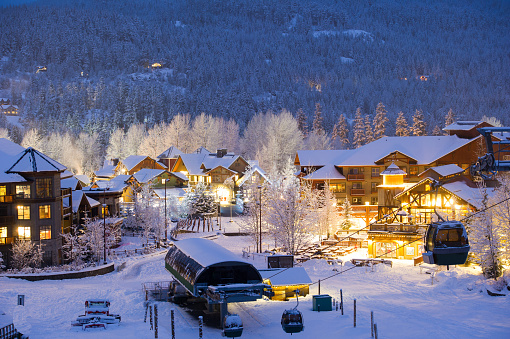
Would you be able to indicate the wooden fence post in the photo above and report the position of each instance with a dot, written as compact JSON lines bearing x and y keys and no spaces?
{"x":354,"y":312}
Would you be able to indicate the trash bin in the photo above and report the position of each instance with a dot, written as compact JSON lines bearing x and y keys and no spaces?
{"x":322,"y":301}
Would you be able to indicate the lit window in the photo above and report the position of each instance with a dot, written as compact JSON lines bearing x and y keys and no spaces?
{"x":45,"y":232}
{"x":356,"y":201}
{"x":43,"y":187}
{"x":23,"y":191}
{"x":3,"y":235}
{"x":374,"y":201}
{"x":24,"y":233}
{"x":23,"y":212}
{"x":413,"y":170}
{"x":3,"y":190}
{"x":44,"y":212}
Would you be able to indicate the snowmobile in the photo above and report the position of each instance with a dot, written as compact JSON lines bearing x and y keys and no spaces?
{"x":97,"y":315}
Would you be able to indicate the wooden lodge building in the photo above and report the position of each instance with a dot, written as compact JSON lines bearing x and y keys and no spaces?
{"x":393,"y":176}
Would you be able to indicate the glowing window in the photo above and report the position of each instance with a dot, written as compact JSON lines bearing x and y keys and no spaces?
{"x":45,"y":232}
{"x":44,"y":212}
{"x":24,"y":233}
{"x":23,"y":212}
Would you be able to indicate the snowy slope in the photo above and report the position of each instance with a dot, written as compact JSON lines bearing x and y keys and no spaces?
{"x":404,"y":301}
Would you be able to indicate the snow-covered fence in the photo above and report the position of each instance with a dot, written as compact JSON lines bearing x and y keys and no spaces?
{"x":8,"y":332}
{"x":129,"y":253}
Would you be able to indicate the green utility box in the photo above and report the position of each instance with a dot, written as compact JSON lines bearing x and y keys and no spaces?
{"x":322,"y":302}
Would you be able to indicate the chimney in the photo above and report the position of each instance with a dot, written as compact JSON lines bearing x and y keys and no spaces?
{"x":221,"y":152}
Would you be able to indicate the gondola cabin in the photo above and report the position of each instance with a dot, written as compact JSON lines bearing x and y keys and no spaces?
{"x":232,"y":326}
{"x":292,"y":321}
{"x":446,"y":243}
{"x":208,"y":270}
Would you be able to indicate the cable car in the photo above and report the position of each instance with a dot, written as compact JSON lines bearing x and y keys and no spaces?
{"x":232,"y":326}
{"x":292,"y":320}
{"x":446,"y":243}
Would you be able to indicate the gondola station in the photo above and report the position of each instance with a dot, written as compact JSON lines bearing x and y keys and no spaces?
{"x":209,"y":271}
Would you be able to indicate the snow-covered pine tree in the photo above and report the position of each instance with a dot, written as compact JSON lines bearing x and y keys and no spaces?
{"x":436,"y":130}
{"x":359,"y":130}
{"x":302,"y":122}
{"x":328,"y":212}
{"x":2,"y":266}
{"x":449,"y":118}
{"x":317,"y":120}
{"x":73,"y":248}
{"x":419,"y":127}
{"x":340,"y":132}
{"x":380,"y":121}
{"x":369,"y":134}
{"x":346,"y":221}
{"x":484,"y":237}
{"x":402,"y":129}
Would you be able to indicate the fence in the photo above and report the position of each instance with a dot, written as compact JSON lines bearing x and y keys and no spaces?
{"x":8,"y":332}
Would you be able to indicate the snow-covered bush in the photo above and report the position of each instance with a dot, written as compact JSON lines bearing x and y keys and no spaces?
{"x":26,"y":254}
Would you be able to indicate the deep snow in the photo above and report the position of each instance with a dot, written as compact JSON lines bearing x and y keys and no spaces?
{"x":404,"y":301}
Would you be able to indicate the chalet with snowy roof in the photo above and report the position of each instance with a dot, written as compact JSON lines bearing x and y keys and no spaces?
{"x":112,"y":193}
{"x":84,"y":207}
{"x":220,"y":171}
{"x":134,"y":163}
{"x":10,"y":110}
{"x":33,"y":206}
{"x":5,"y":101}
{"x":105,"y":173}
{"x":465,"y":129}
{"x":169,"y":157}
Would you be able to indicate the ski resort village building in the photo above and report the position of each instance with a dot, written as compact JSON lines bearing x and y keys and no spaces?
{"x":31,"y":200}
{"x":391,"y":181}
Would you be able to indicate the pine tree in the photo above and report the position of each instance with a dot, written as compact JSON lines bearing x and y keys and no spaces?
{"x":369,"y":134}
{"x":359,"y":130}
{"x":402,"y":129}
{"x":346,"y":221}
{"x":317,"y":120}
{"x":449,"y":118}
{"x":436,"y":131}
{"x":301,"y":120}
{"x":380,"y":121}
{"x":340,"y":132}
{"x":419,"y":126}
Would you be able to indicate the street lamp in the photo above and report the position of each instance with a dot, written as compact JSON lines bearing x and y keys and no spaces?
{"x":260,"y":217}
{"x":166,"y":225}
{"x":233,"y":197}
{"x":104,"y":226}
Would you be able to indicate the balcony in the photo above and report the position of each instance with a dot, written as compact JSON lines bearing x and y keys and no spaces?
{"x":357,"y":191}
{"x":6,"y":241}
{"x":65,"y":191}
{"x":355,"y":177}
{"x":405,"y":228}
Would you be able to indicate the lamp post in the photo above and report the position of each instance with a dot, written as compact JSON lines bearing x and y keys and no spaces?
{"x":166,"y":224}
{"x":260,"y":217}
{"x":233,"y":197}
{"x":104,"y":226}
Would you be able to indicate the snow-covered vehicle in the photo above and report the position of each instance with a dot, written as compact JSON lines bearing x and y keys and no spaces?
{"x":97,"y":315}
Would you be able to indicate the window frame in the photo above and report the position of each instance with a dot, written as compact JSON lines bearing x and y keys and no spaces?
{"x":46,"y":230}
{"x":44,"y":187}
{"x":43,"y":213}
{"x":25,"y":210}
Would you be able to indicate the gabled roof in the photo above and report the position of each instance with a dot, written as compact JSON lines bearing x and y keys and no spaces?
{"x":171,"y":192}
{"x":112,"y":186}
{"x":462,"y":126}
{"x":444,"y":171}
{"x":212,"y":161}
{"x":78,"y":197}
{"x":31,"y":160}
{"x":83,"y":178}
{"x":133,"y":160}
{"x":393,"y":170}
{"x":327,"y":172}
{"x":146,"y":175}
{"x":171,"y":153}
{"x":286,"y":276}
{"x":228,"y":169}
{"x":179,"y":175}
{"x":107,"y":171}
{"x":66,"y":174}
{"x":321,"y":157}
{"x":201,"y":150}
{"x":71,"y":183}
{"x":248,"y":174}
{"x":9,"y":147}
{"x":193,"y":163}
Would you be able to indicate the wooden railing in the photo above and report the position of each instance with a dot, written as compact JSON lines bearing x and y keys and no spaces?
{"x":6,"y":241}
{"x":355,"y":177}
{"x":357,"y":191}
{"x":8,"y":332}
{"x":396,"y":228}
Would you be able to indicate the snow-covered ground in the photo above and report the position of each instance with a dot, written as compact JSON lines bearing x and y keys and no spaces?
{"x":404,"y":301}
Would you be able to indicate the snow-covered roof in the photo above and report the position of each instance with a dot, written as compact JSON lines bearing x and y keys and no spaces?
{"x":66,"y":174}
{"x":171,"y":192}
{"x":322,"y":157}
{"x":286,"y":276}
{"x":71,"y":183}
{"x":106,"y":172}
{"x":9,"y":147}
{"x":31,"y":160}
{"x":146,"y":175}
{"x":327,"y":172}
{"x":212,"y":161}
{"x":462,"y":126}
{"x":171,"y":153}
{"x":112,"y":186}
{"x":180,"y":175}
{"x":133,"y":160}
{"x":5,"y":319}
{"x":444,"y":170}
{"x":193,"y":162}
{"x":201,"y":150}
{"x":83,"y":178}
{"x":472,"y":195}
{"x":78,"y":196}
{"x":247,"y":175}
{"x":206,"y":252}
{"x":393,"y":170}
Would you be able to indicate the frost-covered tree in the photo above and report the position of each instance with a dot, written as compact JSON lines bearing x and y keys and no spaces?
{"x":369,"y":134}
{"x":341,"y":132}
{"x":380,"y":121}
{"x":317,"y":140}
{"x":117,"y":145}
{"x":199,"y":200}
{"x":250,"y":219}
{"x":151,"y":144}
{"x":133,"y":139}
{"x":33,"y":138}
{"x":328,"y":212}
{"x":26,"y":254}
{"x":436,"y":130}
{"x":4,"y":133}
{"x":93,"y":238}
{"x":485,"y":238}
{"x":287,"y":204}
{"x":493,"y":121}
{"x":358,"y":139}
{"x":402,"y":129}
{"x":2,"y":266}
{"x":179,"y":134}
{"x":346,"y":221}
{"x":73,"y":247}
{"x":419,"y":127}
{"x":449,"y":118}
